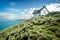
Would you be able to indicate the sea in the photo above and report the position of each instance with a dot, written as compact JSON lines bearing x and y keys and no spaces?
{"x":8,"y":23}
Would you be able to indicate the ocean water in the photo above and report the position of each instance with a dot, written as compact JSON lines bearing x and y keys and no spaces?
{"x":9,"y":23}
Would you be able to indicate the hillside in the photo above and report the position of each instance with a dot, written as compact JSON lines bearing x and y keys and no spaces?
{"x":55,"y":14}
{"x":39,"y":28}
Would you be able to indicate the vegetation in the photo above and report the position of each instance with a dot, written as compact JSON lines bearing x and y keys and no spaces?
{"x":39,"y":28}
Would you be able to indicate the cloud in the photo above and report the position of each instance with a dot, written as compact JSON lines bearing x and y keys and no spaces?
{"x":7,"y":16}
{"x":53,"y":7}
{"x":23,"y":14}
{"x":12,"y":9}
{"x":12,"y":3}
{"x":27,"y":14}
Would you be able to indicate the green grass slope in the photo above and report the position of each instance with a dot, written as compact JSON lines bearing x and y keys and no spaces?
{"x":39,"y":28}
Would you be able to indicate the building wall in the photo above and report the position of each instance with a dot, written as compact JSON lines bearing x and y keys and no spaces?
{"x":44,"y":12}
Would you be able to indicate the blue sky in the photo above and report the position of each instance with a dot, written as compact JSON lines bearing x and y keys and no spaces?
{"x":23,"y":4}
{"x":18,"y":7}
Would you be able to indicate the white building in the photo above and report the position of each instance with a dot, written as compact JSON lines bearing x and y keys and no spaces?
{"x":42,"y":11}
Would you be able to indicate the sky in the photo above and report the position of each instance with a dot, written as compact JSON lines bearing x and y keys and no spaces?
{"x":22,"y":9}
